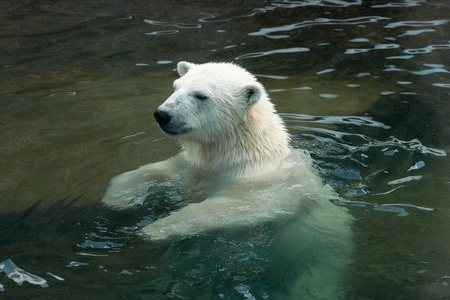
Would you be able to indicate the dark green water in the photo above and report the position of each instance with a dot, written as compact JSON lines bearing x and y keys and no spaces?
{"x":363,"y":85}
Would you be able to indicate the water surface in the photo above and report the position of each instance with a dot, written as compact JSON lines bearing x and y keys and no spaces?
{"x":362,"y":85}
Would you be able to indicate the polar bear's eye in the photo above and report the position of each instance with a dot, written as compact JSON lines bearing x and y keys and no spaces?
{"x":200,"y":97}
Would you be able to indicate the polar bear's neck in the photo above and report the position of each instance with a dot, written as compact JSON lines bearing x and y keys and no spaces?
{"x":253,"y":148}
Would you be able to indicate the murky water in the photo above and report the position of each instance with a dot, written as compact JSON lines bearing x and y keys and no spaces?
{"x":362,"y":85}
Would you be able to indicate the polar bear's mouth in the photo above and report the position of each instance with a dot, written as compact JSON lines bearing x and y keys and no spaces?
{"x":174,"y":133}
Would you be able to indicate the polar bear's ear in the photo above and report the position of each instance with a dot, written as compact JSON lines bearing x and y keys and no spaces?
{"x":183,"y":67}
{"x":252,"y":94}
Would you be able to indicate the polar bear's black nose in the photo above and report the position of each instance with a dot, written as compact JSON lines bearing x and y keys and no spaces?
{"x":162,"y":117}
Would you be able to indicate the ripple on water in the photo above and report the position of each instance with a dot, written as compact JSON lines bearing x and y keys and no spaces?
{"x":360,"y":40}
{"x":357,"y":51}
{"x":325,"y":71}
{"x":178,"y":25}
{"x":163,"y":32}
{"x":19,"y":275}
{"x":404,"y":4}
{"x":90,"y":244}
{"x":416,"y":32}
{"x":444,"y":85}
{"x":433,"y":68}
{"x":328,"y":96}
{"x":416,"y":23}
{"x":329,"y":3}
{"x":365,"y":141}
{"x":427,"y":49}
{"x":269,"y":32}
{"x":350,"y":120}
{"x":277,"y":51}
{"x":376,"y":47}
{"x":403,"y":57}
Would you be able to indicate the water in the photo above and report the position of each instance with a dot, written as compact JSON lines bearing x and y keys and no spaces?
{"x":363,"y":86}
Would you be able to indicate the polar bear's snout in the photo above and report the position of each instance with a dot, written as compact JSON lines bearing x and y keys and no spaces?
{"x":162,"y":117}
{"x":171,"y":124}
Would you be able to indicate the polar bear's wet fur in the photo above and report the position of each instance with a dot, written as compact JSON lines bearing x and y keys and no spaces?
{"x":224,"y":119}
{"x":238,"y":166}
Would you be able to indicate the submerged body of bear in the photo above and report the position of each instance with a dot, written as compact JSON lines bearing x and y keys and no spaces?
{"x":240,"y":172}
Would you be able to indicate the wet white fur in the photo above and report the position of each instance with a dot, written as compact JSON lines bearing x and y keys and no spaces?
{"x":233,"y":141}
{"x":229,"y":133}
{"x":239,"y":172}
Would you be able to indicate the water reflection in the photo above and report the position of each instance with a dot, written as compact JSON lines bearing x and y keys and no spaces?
{"x":178,"y":25}
{"x":331,"y":3}
{"x":268,"y":32}
{"x":277,"y":51}
{"x":416,"y":23}
{"x":19,"y":275}
{"x":164,"y":32}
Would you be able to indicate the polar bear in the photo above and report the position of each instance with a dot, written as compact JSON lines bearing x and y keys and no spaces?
{"x":239,"y":171}
{"x":229,"y":131}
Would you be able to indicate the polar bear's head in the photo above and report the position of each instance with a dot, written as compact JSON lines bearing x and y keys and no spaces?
{"x":210,"y":100}
{"x":223,"y":117}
